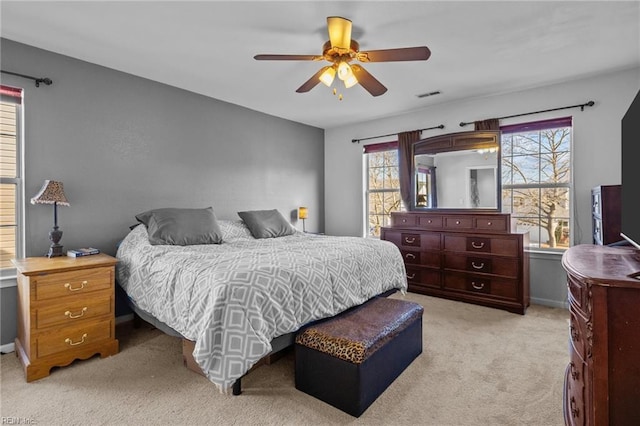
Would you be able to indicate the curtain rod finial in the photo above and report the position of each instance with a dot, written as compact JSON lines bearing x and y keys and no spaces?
{"x":355,"y":140}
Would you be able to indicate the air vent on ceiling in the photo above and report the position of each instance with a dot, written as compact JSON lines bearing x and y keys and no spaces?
{"x":424,"y":95}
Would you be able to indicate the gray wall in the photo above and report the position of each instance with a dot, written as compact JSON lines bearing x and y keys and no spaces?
{"x":122,"y":144}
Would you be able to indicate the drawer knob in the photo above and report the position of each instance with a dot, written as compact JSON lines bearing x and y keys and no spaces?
{"x":489,"y":223}
{"x":477,"y":286}
{"x":480,"y":266}
{"x":457,"y":222}
{"x":70,"y":315}
{"x":477,"y":245}
{"x":410,"y":256}
{"x":412,"y":276}
{"x":404,"y":220}
{"x":72,"y":343}
{"x":409,"y":240}
{"x":68,"y":286}
{"x":429,"y":221}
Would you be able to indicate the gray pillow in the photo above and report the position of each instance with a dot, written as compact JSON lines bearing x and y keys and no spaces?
{"x":174,"y":226}
{"x":266,"y":223}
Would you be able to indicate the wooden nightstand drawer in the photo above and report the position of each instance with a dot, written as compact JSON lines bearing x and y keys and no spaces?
{"x":63,"y":284}
{"x":71,"y":338}
{"x":73,"y":311}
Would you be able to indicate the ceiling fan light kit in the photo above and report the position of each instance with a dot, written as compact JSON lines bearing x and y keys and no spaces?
{"x":340,"y":50}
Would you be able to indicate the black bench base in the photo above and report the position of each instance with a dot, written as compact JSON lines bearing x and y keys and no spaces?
{"x":351,"y":387}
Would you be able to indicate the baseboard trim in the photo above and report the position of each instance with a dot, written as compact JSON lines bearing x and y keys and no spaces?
{"x":8,"y":348}
{"x":550,"y":303}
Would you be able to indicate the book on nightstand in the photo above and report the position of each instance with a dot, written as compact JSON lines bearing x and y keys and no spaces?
{"x":84,"y":251}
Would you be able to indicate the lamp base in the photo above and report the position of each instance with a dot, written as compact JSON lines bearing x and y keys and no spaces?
{"x":55,"y":250}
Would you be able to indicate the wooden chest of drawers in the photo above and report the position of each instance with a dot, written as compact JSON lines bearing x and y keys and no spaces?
{"x":65,"y":311}
{"x":602,"y":380}
{"x":470,"y":257}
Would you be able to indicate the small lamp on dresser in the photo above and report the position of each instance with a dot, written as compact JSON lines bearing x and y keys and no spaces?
{"x":303,"y":214}
{"x":52,"y":192}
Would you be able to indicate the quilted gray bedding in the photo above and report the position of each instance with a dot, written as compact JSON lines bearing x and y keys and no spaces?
{"x":233,"y":298}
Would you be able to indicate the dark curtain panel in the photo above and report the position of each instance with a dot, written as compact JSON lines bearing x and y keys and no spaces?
{"x":405,"y":141}
{"x":490,"y":124}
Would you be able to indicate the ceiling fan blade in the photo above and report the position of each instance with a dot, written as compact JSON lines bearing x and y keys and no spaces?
{"x":339,"y":32}
{"x":287,"y":57}
{"x":421,"y":53}
{"x":312,"y":82}
{"x":368,"y":81}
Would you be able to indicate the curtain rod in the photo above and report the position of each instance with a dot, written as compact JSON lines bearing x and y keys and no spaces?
{"x":44,"y":80}
{"x":391,"y":134}
{"x":590,"y":103}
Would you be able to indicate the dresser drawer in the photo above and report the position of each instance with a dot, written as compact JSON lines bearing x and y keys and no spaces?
{"x":578,"y":336}
{"x":399,"y":219}
{"x":498,"y":287}
{"x":492,"y":223}
{"x":423,"y":277}
{"x":424,"y":258}
{"x":70,"y":338}
{"x":461,"y":223}
{"x":576,"y":293}
{"x":410,"y":240}
{"x":507,"y":267}
{"x":73,"y":311}
{"x":575,"y":407}
{"x":63,"y":284}
{"x":503,"y":246}
{"x":430,"y":222}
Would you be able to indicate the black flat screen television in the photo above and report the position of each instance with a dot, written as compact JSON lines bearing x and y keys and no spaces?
{"x":630,"y":171}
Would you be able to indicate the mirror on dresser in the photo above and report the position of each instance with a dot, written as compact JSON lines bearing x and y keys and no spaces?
{"x":457,"y":171}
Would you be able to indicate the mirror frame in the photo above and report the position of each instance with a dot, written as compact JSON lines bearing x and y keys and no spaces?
{"x":462,"y":141}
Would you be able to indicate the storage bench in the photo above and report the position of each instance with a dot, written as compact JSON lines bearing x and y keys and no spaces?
{"x":349,"y":360}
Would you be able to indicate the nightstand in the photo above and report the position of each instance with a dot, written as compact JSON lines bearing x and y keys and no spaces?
{"x":66,"y":311}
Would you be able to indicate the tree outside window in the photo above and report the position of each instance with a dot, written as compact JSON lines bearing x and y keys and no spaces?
{"x":383,"y":189}
{"x":536,"y":180}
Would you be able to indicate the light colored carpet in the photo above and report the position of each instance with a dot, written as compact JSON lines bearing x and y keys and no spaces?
{"x":479,"y":366}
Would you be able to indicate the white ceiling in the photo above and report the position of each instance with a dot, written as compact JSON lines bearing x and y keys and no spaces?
{"x":478,"y":48}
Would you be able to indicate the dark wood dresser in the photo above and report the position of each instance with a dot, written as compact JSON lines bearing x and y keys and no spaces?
{"x":602,"y":381}
{"x":471,"y":257}
{"x":607,"y":213}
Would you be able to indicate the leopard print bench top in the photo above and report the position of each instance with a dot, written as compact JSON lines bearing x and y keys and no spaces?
{"x":356,"y":334}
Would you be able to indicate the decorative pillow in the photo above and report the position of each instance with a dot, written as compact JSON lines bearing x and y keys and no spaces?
{"x":266,"y":223}
{"x":173,"y":226}
{"x":234,"y":229}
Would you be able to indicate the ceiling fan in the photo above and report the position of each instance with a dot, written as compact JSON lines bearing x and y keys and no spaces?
{"x":341,"y":50}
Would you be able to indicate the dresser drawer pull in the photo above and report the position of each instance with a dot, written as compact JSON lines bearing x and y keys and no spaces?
{"x":477,"y":286}
{"x":457,"y":222}
{"x":409,"y":240}
{"x":410,"y":277}
{"x":68,"y":286}
{"x":574,"y":410}
{"x":410,"y":256}
{"x":70,"y":315}
{"x":574,"y":373}
{"x":476,"y":246}
{"x":575,"y":335}
{"x":429,"y":221}
{"x":489,"y":223}
{"x":404,"y":220}
{"x":480,"y":266}
{"x":72,"y":343}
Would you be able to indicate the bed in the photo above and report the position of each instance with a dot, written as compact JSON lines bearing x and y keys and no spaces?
{"x":235,"y":297}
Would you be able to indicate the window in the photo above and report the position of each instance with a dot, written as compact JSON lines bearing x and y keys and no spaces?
{"x":10,"y":175}
{"x":536,"y":180}
{"x":382,"y":185}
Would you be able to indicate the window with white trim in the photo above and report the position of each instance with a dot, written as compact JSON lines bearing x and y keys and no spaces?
{"x":10,"y":177}
{"x":382,"y":186}
{"x":536,"y":180}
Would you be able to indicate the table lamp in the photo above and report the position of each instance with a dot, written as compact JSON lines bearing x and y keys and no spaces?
{"x":303,"y":214}
{"x":52,"y":192}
